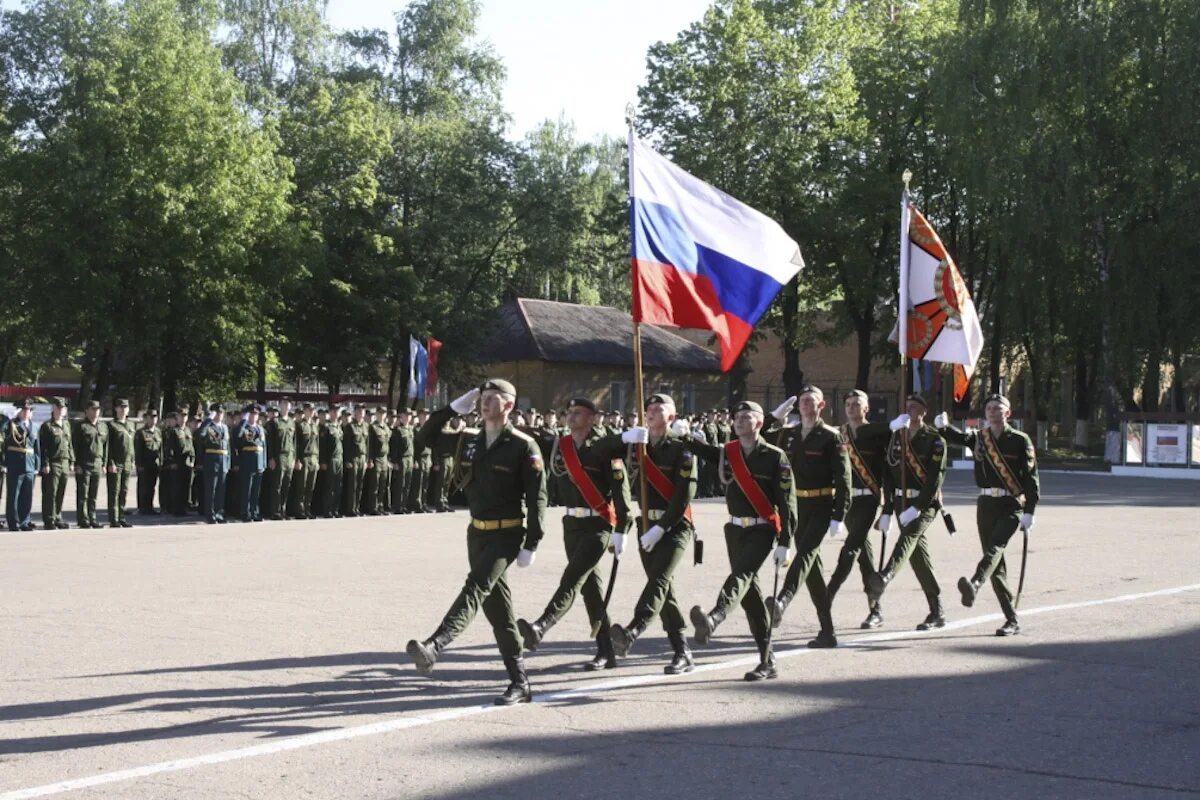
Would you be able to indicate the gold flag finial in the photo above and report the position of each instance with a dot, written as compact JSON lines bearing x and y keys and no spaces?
{"x":906,"y":177}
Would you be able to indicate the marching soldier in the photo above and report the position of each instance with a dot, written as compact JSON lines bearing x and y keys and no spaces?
{"x":119,"y":463}
{"x":506,"y":471}
{"x":89,"y":439}
{"x":671,"y":477}
{"x":22,"y":460}
{"x":147,"y":456}
{"x":866,"y":446}
{"x":378,"y":438}
{"x":762,"y":508}
{"x":592,"y":484}
{"x":212,"y":445}
{"x":422,"y":466}
{"x":1006,"y":473}
{"x":400,"y":451}
{"x":308,"y":449}
{"x":58,"y":460}
{"x":355,"y":448}
{"x":821,"y":470}
{"x":250,"y":444}
{"x":281,"y":460}
{"x":912,"y":487}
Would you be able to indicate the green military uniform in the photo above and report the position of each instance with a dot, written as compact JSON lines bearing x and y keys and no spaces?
{"x":400,"y":452}
{"x":750,"y":538}
{"x":821,"y":471}
{"x":304,"y":480}
{"x":3,"y":470}
{"x":118,"y":466}
{"x":866,"y":448}
{"x":148,"y":453}
{"x":378,"y":475}
{"x":179,"y":456}
{"x":281,"y":449}
{"x":999,"y":507}
{"x":418,"y":488}
{"x":707,"y":487}
{"x":505,"y":473}
{"x":89,"y":440}
{"x":355,"y":449}
{"x":58,"y":460}
{"x":672,"y":514}
{"x":329,"y":477}
{"x":587,"y":533}
{"x":441,"y":467}
{"x":922,"y":491}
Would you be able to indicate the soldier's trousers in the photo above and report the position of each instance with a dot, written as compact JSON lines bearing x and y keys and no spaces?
{"x":179,"y":478}
{"x":859,"y":519}
{"x":278,"y":482}
{"x":305,"y":480}
{"x":586,"y":541}
{"x":249,"y":493}
{"x":658,"y":598}
{"x":54,"y":489}
{"x":352,"y":486}
{"x":87,"y":486}
{"x":20,"y":499}
{"x":998,"y":519}
{"x":147,"y":481}
{"x":417,"y":486}
{"x":383,"y":486}
{"x":813,"y":516}
{"x":489,"y":554}
{"x":329,"y":484}
{"x":118,"y":489}
{"x":912,"y":545}
{"x":433,"y":492}
{"x":401,"y":477}
{"x":748,"y":548}
{"x":214,"y":491}
{"x":195,"y":488}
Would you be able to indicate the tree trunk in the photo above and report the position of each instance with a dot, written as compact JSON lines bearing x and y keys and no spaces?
{"x":393,"y":369}
{"x":863,"y":331}
{"x":104,"y":374}
{"x":1083,"y":398}
{"x":1152,"y":380}
{"x":1178,"y":397}
{"x":793,"y":376}
{"x":260,"y":389}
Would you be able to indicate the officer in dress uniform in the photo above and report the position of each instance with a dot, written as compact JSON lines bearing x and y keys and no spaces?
{"x":89,"y":439}
{"x":22,"y":460}
{"x":912,"y":490}
{"x":58,"y":461}
{"x":249,"y":442}
{"x":671,"y":475}
{"x":506,"y":492}
{"x":762,"y":507}
{"x":119,"y":463}
{"x":1006,"y":473}
{"x":212,"y":445}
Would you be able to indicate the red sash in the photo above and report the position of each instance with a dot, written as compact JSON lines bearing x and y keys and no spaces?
{"x":749,"y":486}
{"x":584,"y":483}
{"x":659,"y":481}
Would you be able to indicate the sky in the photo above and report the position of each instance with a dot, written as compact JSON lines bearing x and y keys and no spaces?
{"x":583,"y":59}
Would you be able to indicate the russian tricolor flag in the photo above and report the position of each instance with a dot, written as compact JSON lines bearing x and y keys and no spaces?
{"x":700,"y":258}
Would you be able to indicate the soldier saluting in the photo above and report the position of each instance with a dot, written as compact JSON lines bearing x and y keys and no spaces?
{"x":1006,"y":473}
{"x":119,"y":463}
{"x":762,"y":508}
{"x":506,"y":473}
{"x":912,"y":489}
{"x":590,"y":476}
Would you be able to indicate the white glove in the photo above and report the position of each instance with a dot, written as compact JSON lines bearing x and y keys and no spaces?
{"x":651,"y":537}
{"x":908,"y":515}
{"x":636,"y":435}
{"x":525,"y":558}
{"x":618,"y":544}
{"x":782,"y":412}
{"x":680,"y":428}
{"x":837,"y":529}
{"x":1027,"y":522}
{"x":885,"y":523}
{"x":700,"y":437}
{"x":464,"y":404}
{"x":899,"y":422}
{"x":781,"y":555}
{"x":942,"y":420}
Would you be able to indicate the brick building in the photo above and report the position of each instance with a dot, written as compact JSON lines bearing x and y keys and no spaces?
{"x":555,"y":351}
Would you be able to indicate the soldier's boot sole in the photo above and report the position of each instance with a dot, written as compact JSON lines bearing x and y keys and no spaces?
{"x":704,"y":626}
{"x":423,"y":656}
{"x":968,"y":591}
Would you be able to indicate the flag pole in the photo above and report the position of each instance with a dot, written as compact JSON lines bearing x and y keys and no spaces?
{"x":630,"y":116}
{"x":902,"y":313}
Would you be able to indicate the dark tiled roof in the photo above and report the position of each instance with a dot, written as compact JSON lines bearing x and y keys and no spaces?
{"x":544,"y":330}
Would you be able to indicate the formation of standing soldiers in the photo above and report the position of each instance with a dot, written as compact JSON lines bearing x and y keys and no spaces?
{"x":817,"y":481}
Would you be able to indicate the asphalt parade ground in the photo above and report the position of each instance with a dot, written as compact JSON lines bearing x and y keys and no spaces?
{"x":267,"y":661}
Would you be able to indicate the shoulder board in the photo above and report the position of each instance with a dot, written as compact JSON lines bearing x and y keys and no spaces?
{"x":525,"y":437}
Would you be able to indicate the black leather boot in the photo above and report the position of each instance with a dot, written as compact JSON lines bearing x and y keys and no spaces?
{"x":876,"y":583}
{"x":623,"y":638}
{"x":1010,"y":628}
{"x":682,"y":662}
{"x":605,"y":657}
{"x":706,"y":624}
{"x":425,"y":654}
{"x":518,"y":690}
{"x":874,"y":619}
{"x":533,"y":633}
{"x":765,"y":670}
{"x":776,"y":606}
{"x":969,"y":589}
{"x":936,"y":618}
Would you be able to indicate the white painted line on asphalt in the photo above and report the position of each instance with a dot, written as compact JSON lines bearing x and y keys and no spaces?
{"x":416,"y":721}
